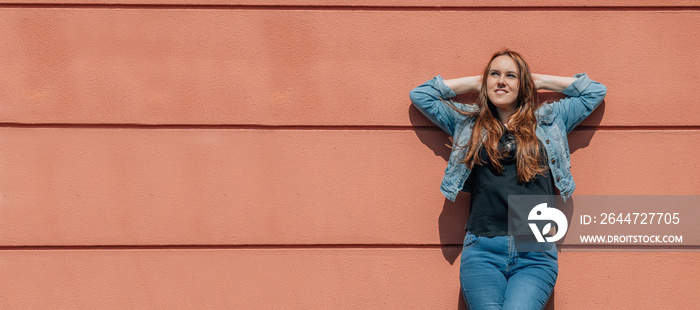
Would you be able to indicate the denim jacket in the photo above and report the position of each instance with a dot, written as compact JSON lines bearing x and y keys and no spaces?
{"x":554,"y":121}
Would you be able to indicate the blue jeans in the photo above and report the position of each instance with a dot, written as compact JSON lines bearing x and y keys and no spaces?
{"x":507,"y":272}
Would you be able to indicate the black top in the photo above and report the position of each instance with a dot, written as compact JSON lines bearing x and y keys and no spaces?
{"x":490,"y":190}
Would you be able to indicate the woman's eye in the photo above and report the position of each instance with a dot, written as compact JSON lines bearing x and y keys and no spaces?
{"x":494,"y":73}
{"x":511,"y":75}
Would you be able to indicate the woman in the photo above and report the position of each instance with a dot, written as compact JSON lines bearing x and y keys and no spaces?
{"x":506,"y":146}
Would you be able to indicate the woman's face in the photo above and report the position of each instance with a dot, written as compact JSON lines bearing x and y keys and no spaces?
{"x":502,"y":82}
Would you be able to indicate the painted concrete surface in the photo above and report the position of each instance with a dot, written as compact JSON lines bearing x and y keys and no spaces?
{"x":264,"y":154}
{"x":308,"y":67}
{"x":318,"y":279}
{"x":116,"y":186}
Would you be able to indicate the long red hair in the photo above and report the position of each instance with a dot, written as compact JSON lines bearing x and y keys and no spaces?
{"x":488,"y":128}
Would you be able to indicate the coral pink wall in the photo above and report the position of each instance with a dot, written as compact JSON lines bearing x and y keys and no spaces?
{"x":264,"y":153}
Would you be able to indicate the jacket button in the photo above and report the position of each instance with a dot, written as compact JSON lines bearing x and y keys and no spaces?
{"x":554,"y":160}
{"x":558,"y":178}
{"x":546,"y":141}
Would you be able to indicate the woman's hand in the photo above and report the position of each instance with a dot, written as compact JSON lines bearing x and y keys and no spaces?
{"x":552,"y":82}
{"x":464,"y":84}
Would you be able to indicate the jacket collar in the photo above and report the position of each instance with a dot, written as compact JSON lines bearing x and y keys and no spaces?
{"x":545,"y":114}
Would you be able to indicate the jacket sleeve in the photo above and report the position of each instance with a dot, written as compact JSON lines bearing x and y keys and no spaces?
{"x":583,"y":96}
{"x":426,"y":98}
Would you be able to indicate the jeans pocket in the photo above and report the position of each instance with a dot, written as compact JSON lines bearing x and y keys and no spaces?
{"x":470,"y":240}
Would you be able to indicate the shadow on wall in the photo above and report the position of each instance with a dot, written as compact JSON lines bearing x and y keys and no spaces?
{"x":454,"y":215}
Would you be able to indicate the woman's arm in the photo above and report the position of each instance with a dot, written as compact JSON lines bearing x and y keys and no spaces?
{"x":551,"y":82}
{"x":430,"y":99}
{"x":464,"y":84}
{"x":583,"y":96}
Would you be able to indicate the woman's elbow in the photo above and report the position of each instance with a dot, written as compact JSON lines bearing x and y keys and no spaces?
{"x":603,"y":90}
{"x":600,"y":91}
{"x":414,"y":94}
{"x":418,"y":97}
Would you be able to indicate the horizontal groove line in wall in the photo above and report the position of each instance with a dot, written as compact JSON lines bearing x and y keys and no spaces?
{"x":570,"y":248}
{"x":296,"y":127}
{"x":345,"y":7}
{"x":231,"y":247}
{"x":605,"y":127}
